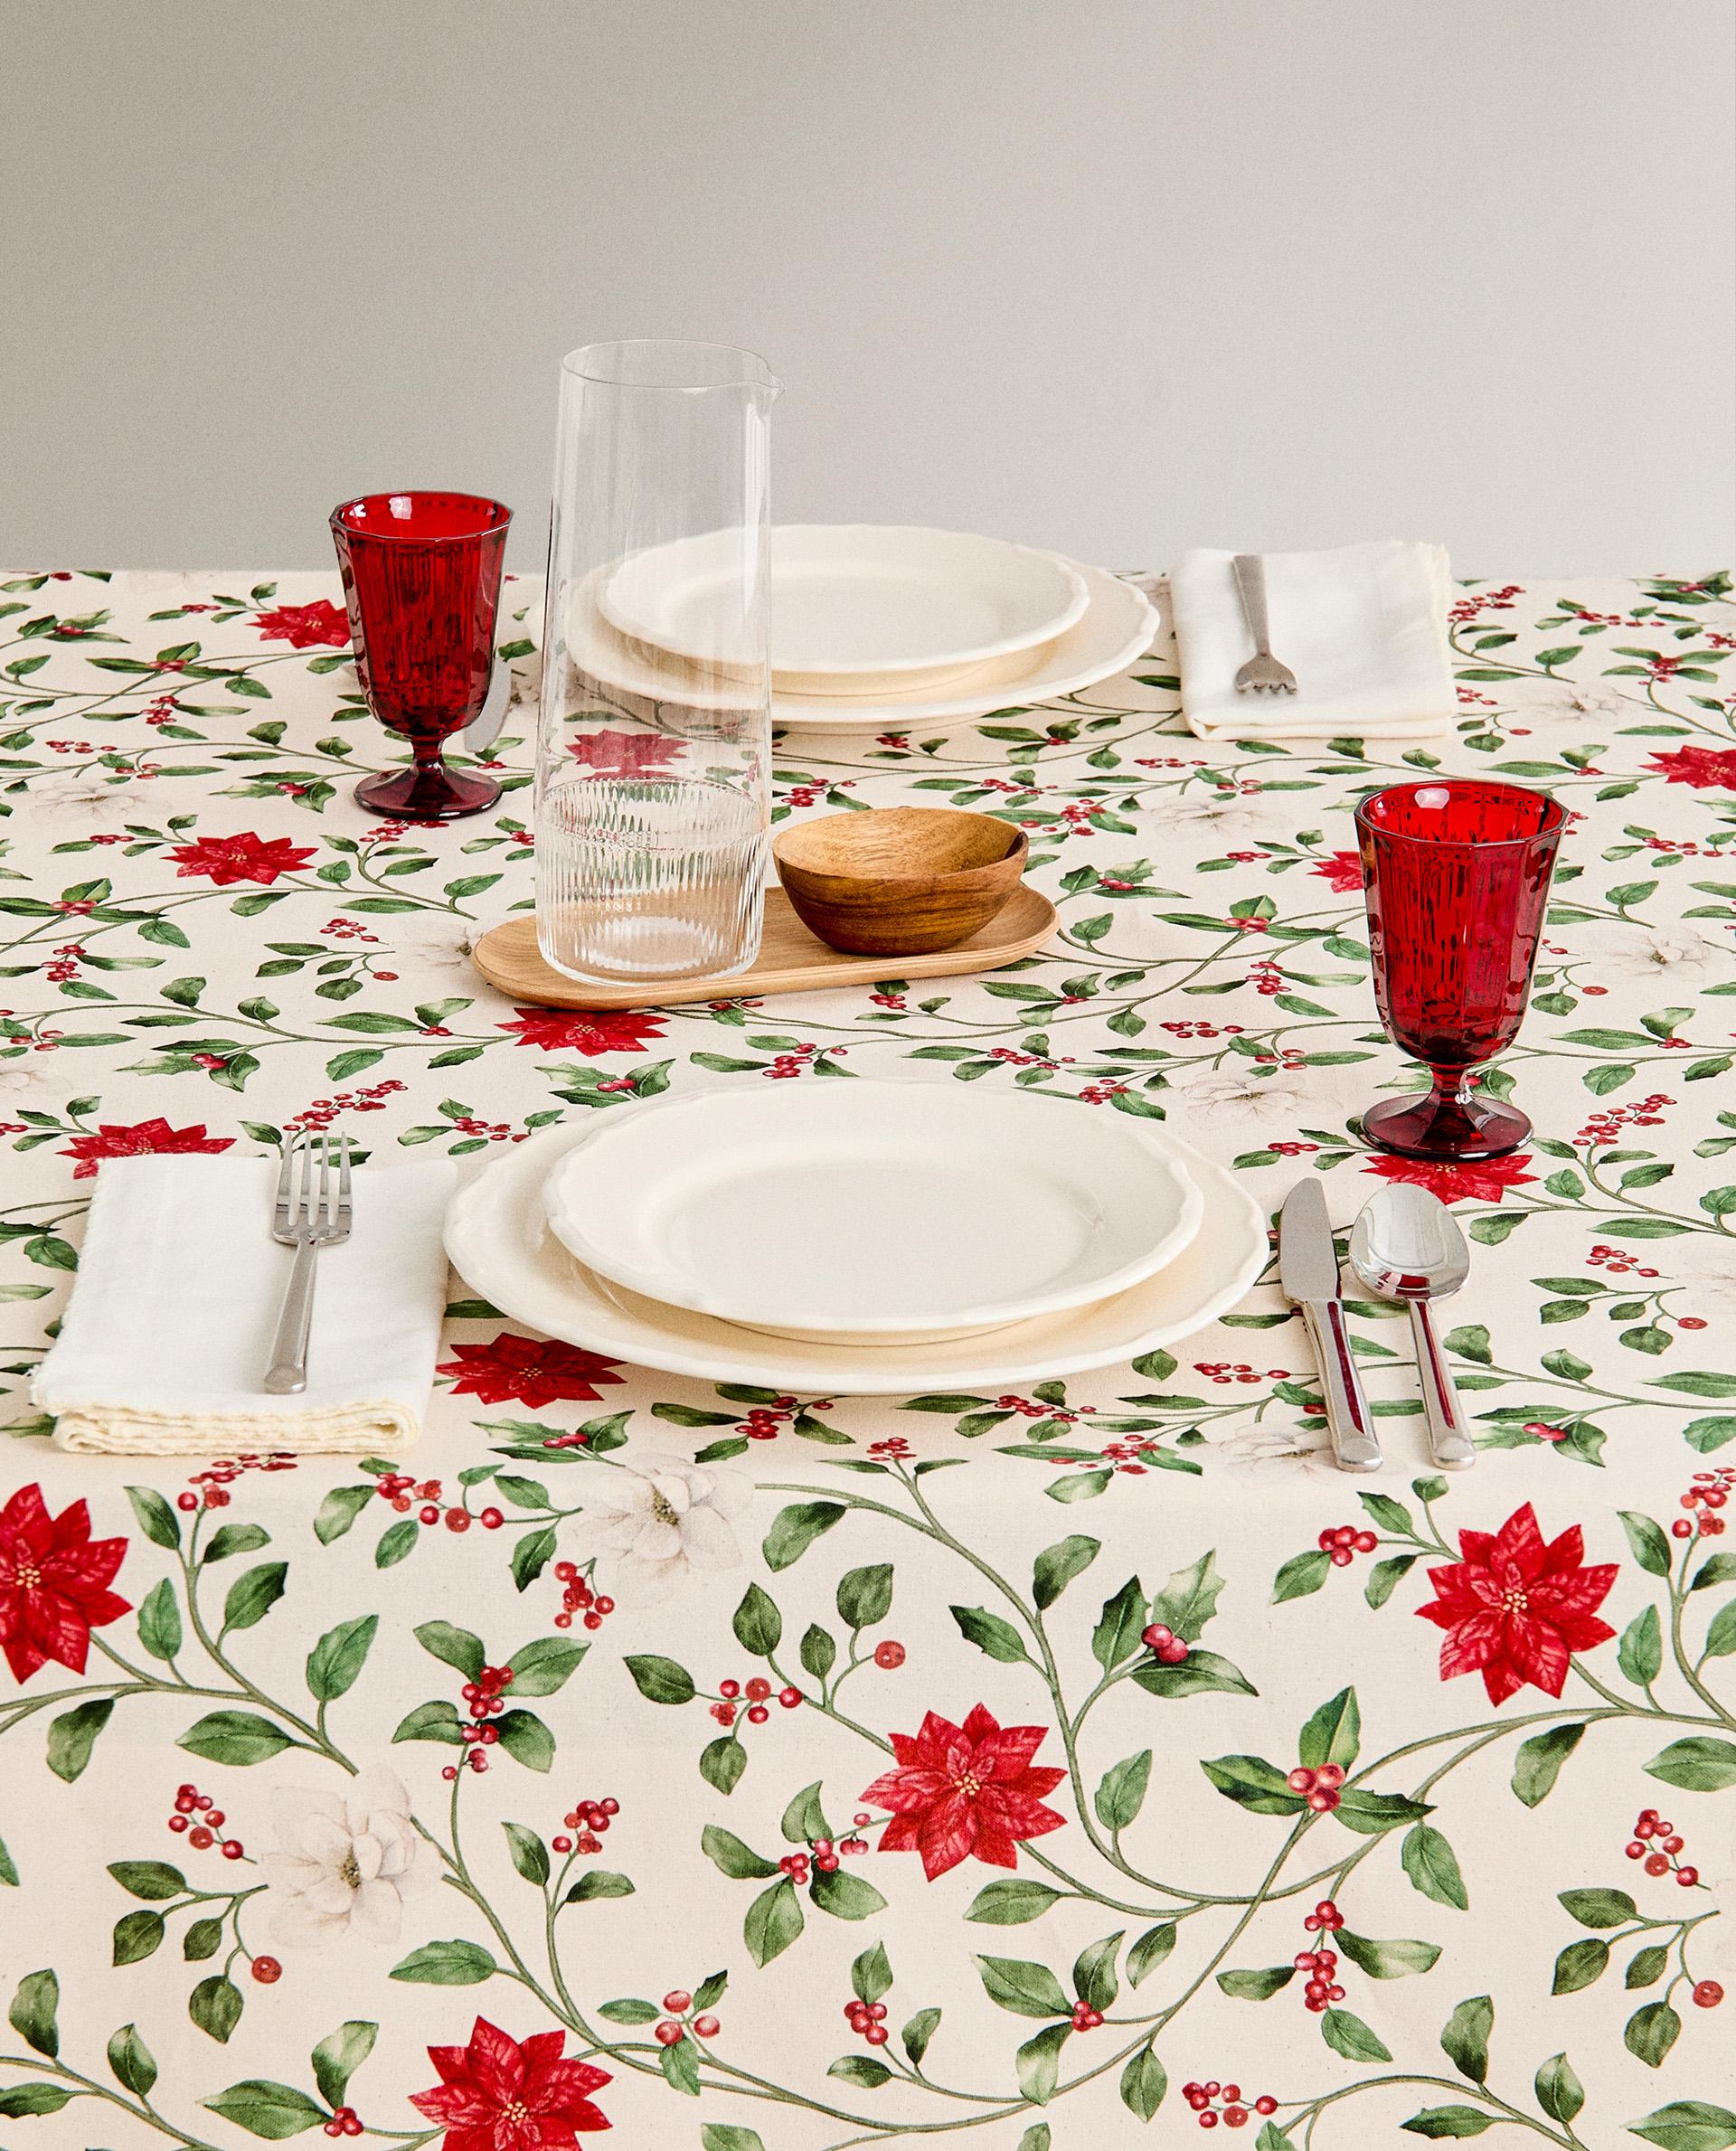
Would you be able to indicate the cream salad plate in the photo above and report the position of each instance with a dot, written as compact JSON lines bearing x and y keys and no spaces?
{"x":856,"y":607}
{"x":500,"y":1241}
{"x":871,"y":1213}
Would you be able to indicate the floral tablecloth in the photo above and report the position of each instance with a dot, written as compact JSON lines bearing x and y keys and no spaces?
{"x":732,"y":1768}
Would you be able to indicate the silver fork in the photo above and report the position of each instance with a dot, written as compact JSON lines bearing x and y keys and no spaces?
{"x":1262,"y":673}
{"x":311,"y":1212}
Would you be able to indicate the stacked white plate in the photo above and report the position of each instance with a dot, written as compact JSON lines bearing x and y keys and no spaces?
{"x":860,"y":1238}
{"x":873,"y":624}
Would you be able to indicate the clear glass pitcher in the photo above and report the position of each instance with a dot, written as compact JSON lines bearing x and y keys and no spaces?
{"x":653,"y":791}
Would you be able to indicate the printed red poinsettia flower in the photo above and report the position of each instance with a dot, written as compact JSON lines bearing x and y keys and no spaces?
{"x":54,"y":1579}
{"x":1701,"y":767}
{"x":1484,"y":1180}
{"x":588,"y":1031}
{"x":305,"y":626}
{"x":144,"y":1138}
{"x":499,"y":2095}
{"x":1514,"y":1610}
{"x":625,"y":754}
{"x":512,"y":1368}
{"x":969,"y":1788}
{"x":245,"y":858}
{"x":1344,"y":872}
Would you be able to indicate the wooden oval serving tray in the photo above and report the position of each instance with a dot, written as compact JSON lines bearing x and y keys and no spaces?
{"x":791,"y":960}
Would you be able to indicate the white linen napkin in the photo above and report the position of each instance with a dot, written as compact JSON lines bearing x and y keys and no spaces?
{"x":164,"y":1343}
{"x":1363,"y":627}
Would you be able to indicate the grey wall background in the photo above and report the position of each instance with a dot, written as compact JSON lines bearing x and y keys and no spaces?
{"x":1115,"y":275}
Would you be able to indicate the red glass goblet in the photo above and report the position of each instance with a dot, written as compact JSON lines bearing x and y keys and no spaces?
{"x":421,"y":576}
{"x":1455,"y":875}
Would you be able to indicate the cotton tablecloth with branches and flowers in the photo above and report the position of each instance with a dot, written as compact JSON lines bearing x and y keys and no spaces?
{"x":725,"y":1767}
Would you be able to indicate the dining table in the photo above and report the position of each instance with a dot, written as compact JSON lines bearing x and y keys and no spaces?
{"x":1083,"y":1762}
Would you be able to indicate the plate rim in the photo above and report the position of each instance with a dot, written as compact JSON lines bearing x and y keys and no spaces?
{"x":872,"y":1371}
{"x":962,"y":657}
{"x":559,"y":1210}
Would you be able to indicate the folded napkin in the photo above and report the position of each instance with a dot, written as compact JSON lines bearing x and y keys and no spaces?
{"x":1364,"y":628}
{"x":165,"y":1344}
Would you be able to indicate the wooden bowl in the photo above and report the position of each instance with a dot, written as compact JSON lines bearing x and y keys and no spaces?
{"x":899,"y":881}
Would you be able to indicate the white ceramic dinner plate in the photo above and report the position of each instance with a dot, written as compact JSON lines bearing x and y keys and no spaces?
{"x":498,"y":1235}
{"x":1115,"y":631}
{"x":855,"y":603}
{"x":872,"y":1211}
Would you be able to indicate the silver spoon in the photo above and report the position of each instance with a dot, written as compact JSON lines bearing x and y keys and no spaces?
{"x":1406,"y":1245}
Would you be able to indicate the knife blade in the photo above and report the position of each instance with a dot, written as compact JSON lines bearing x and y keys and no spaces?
{"x":1307,"y":1266}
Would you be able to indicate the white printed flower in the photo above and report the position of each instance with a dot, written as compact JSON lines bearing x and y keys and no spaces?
{"x":1243,"y":1099}
{"x":651,"y":1521}
{"x":430,"y":944}
{"x":1269,"y":1451}
{"x":1217,"y":815}
{"x":345,"y":1861}
{"x":86,"y":797}
{"x":1677,"y":955}
{"x":1706,"y":1263}
{"x":22,"y":1075}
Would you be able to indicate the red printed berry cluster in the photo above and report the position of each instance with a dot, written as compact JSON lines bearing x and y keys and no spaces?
{"x":1221,"y":1370}
{"x":1214,"y":2102}
{"x":866,"y":2019}
{"x":209,"y":1489}
{"x":1320,"y":1785}
{"x":673,"y":2028}
{"x":403,"y":1492}
{"x":590,"y":1818}
{"x":757,"y":1693}
{"x":1341,"y":1542}
{"x":1164,"y":1644}
{"x":1321,"y":1965}
{"x":824,"y":1853}
{"x":1708,"y":1495}
{"x":579,"y":1597}
{"x":344,"y":2122}
{"x":1656,"y":1843}
{"x":202,"y":1825}
{"x":485,"y":1700}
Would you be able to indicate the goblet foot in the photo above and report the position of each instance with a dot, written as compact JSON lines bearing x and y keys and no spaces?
{"x":1450,"y":1127}
{"x":426,"y":793}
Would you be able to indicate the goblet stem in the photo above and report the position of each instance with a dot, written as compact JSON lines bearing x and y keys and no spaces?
{"x":1455,"y":1122}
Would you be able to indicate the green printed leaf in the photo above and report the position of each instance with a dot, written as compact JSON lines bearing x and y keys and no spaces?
{"x":1651,"y":2031}
{"x":1387,"y":1960}
{"x":1188,"y":1600}
{"x":234,"y":1737}
{"x":1056,"y":1566}
{"x":339,"y":2055}
{"x":253,"y":1595}
{"x":1334,"y":1733}
{"x":1699,"y":1764}
{"x":661,"y":1680}
{"x":1256,"y":1986}
{"x":1116,"y":1637}
{"x":1560,"y":2092}
{"x":132,"y":2062}
{"x":1011,"y":1903}
{"x":33,"y":2012}
{"x":1347,"y":2034}
{"x":795,"y":1528}
{"x":1027,"y":1989}
{"x":268,"y":2109}
{"x":1537,"y":1763}
{"x":1433,"y":1867}
{"x":758,"y":1624}
{"x":773,"y":1922}
{"x":446,"y":1964}
{"x":337,"y":1658}
{"x":1441,"y":2121}
{"x":730,"y":1856}
{"x":866,"y":1595}
{"x":1122,"y":1792}
{"x":1578,"y":1965}
{"x":997,"y":1638}
{"x":1143,"y":2084}
{"x":1465,"y":2039}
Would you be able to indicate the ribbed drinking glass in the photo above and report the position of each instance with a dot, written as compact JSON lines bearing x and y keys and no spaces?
{"x":653,"y":779}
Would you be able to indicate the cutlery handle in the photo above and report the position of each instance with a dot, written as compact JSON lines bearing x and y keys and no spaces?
{"x":288,"y":1373}
{"x":1251,"y":583}
{"x":1353,"y":1440}
{"x":1451,"y":1446}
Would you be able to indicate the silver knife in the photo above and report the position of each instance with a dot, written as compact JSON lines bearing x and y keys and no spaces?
{"x":1308,"y":1270}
